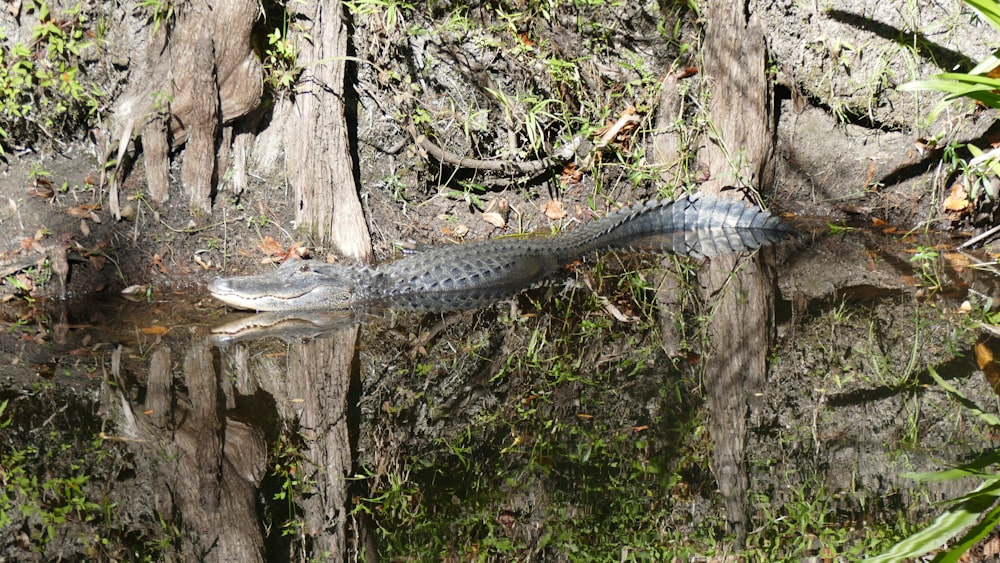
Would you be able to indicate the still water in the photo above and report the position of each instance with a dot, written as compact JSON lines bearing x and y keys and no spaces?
{"x":576,"y":422}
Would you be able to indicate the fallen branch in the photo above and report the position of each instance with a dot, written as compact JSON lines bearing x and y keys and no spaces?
{"x":564,"y":154}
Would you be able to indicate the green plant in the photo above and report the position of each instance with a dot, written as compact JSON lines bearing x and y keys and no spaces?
{"x":281,"y":69}
{"x":43,"y":85}
{"x":158,"y":11}
{"x":976,"y":513}
{"x":974,"y":84}
{"x":928,"y":271}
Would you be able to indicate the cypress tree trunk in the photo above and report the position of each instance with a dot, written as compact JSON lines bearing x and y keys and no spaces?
{"x":319,"y":163}
{"x":737,"y":153}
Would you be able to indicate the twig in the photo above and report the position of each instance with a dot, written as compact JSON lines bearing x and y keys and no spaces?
{"x":979,"y":238}
{"x":189,"y":230}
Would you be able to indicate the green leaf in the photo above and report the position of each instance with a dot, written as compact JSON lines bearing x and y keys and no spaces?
{"x":989,"y":10}
{"x":971,"y":469}
{"x":988,"y":418}
{"x":946,"y":526}
{"x":971,"y":538}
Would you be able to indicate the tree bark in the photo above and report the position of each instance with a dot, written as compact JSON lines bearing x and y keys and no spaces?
{"x":736,"y":152}
{"x":319,"y":163}
{"x":200,"y":73}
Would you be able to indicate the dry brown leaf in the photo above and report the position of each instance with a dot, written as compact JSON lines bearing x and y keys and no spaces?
{"x":297,"y":250}
{"x":270,"y":247}
{"x":495,"y":219}
{"x":84,"y":228}
{"x":958,"y":199}
{"x":79,"y":212}
{"x":571,"y":174}
{"x":686,"y":72}
{"x":458,"y":232}
{"x":991,"y":546}
{"x":42,"y":192}
{"x":554,"y":209}
{"x":987,"y":363}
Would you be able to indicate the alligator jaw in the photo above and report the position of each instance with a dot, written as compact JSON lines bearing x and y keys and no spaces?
{"x":296,"y":285}
{"x":231,"y":291}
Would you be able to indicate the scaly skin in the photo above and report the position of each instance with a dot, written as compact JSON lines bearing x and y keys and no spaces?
{"x":472,"y":275}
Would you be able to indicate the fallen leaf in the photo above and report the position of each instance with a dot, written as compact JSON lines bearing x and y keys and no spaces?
{"x":43,"y":192}
{"x":987,"y":363}
{"x":84,"y":228}
{"x":991,"y":546}
{"x":134,"y":290}
{"x":957,"y":260}
{"x":614,"y":311}
{"x":155,"y":330}
{"x":686,"y":72}
{"x":571,"y":174}
{"x":554,"y":209}
{"x":958,"y":199}
{"x":458,"y":232}
{"x":495,"y":219}
{"x":271,"y":247}
{"x":79,"y":212}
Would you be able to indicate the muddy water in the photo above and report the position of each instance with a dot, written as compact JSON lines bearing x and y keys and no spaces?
{"x":549,"y":428}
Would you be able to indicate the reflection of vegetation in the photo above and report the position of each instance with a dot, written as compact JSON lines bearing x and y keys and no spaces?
{"x":283,"y":489}
{"x":535,"y":478}
{"x":55,"y":494}
{"x":976,"y":513}
{"x":601,"y":448}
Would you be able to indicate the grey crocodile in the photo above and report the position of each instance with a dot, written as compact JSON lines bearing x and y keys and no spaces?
{"x":473,"y":275}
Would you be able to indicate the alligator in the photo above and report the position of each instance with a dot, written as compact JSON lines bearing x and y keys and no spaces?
{"x":477,"y":274}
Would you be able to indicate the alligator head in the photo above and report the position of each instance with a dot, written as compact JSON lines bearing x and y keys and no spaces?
{"x":296,"y":285}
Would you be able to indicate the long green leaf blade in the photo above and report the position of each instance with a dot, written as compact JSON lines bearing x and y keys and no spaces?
{"x":971,"y":538}
{"x":946,"y":526}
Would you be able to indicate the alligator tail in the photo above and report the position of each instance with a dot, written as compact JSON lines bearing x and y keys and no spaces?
{"x":696,"y":225}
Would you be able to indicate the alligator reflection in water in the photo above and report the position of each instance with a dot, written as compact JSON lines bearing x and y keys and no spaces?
{"x":474,"y":275}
